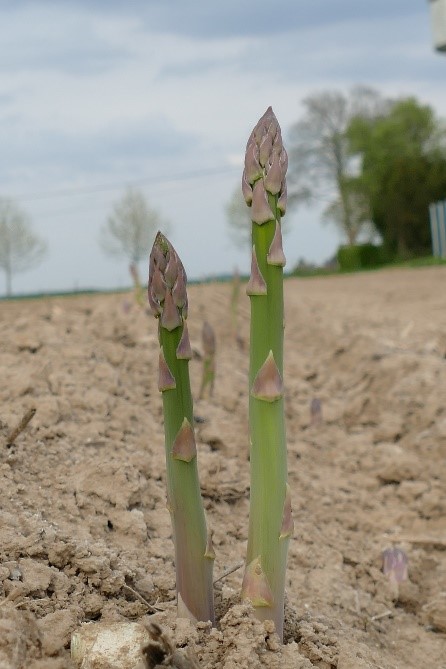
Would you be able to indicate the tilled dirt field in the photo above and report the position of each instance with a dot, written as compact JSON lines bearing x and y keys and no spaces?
{"x":84,"y":530}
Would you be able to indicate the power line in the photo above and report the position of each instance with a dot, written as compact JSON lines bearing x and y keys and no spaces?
{"x":102,"y":188}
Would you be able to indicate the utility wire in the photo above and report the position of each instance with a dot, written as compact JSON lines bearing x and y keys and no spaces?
{"x":102,"y":188}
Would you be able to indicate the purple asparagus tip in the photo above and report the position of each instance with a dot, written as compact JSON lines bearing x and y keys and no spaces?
{"x":395,"y":564}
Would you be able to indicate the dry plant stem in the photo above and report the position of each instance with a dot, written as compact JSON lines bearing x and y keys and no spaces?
{"x":193,"y":552}
{"x":270,"y":520}
{"x":22,"y":424}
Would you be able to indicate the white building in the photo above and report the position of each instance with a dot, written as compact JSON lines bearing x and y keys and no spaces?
{"x":438,"y":22}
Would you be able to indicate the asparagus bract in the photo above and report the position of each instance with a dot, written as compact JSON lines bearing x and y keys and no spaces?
{"x":193,"y":547}
{"x":270,"y":518}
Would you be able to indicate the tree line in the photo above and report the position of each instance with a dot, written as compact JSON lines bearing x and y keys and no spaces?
{"x":376,"y":162}
{"x":128,"y":232}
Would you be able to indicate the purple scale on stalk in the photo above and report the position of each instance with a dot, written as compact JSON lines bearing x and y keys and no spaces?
{"x":256,"y":284}
{"x":274,"y":177}
{"x":184,"y":350}
{"x":184,"y":447}
{"x":255,"y":586}
{"x":170,"y":317}
{"x":261,"y":211}
{"x":282,"y":201}
{"x":265,"y":149}
{"x":166,"y":380}
{"x":276,"y":255}
{"x":246,"y":189}
{"x":158,"y":287}
{"x":268,"y":384}
{"x":253,"y":171}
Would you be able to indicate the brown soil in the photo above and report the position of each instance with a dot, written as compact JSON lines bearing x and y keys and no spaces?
{"x":84,"y":530}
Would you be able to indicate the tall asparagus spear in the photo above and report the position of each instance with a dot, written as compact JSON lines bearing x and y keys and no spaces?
{"x":193,"y":547}
{"x":270,"y":518}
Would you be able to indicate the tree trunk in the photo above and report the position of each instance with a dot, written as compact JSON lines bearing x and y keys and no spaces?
{"x":8,"y":282}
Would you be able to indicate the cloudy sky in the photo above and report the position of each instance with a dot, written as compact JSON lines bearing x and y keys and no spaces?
{"x":162,"y":94}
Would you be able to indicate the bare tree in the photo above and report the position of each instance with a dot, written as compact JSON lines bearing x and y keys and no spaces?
{"x":359,"y":222}
{"x":321,"y":163}
{"x":131,"y":227}
{"x":238,"y":217}
{"x":20,"y":248}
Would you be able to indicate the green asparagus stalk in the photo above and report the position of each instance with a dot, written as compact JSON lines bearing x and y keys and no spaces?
{"x":194,"y":555}
{"x":208,"y":374}
{"x":270,"y":517}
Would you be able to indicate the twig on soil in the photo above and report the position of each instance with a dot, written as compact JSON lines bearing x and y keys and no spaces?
{"x":13,"y":595}
{"x":357,"y":611}
{"x":228,"y":571}
{"x":386,"y":614}
{"x":142,"y":599}
{"x":21,"y":425}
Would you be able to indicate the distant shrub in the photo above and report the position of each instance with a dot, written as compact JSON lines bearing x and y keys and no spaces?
{"x":360,"y":256}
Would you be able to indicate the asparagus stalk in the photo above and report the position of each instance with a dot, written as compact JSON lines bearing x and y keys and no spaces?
{"x":193,"y":546}
{"x":270,"y":517}
{"x":208,"y":375}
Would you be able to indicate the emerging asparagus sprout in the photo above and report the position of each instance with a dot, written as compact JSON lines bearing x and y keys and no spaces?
{"x":395,"y":564}
{"x":270,"y":517}
{"x":316,"y":412}
{"x":235,"y":298}
{"x":194,"y":555}
{"x":208,"y":375}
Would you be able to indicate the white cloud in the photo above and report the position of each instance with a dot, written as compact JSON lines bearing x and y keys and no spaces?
{"x":139,"y":90}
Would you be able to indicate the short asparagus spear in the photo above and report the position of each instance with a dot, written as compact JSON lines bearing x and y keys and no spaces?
{"x":193,"y":547}
{"x":235,"y":295}
{"x":270,"y":518}
{"x":208,"y":374}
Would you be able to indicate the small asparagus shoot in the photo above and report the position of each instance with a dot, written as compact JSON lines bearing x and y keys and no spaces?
{"x":194,"y":555}
{"x":270,"y":517}
{"x":235,"y":298}
{"x":208,"y":375}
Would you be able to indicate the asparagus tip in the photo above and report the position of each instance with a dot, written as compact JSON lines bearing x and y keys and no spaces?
{"x":167,"y":284}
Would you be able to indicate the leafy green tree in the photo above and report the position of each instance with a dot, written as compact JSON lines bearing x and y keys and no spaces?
{"x":20,"y":248}
{"x":403,"y":169}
